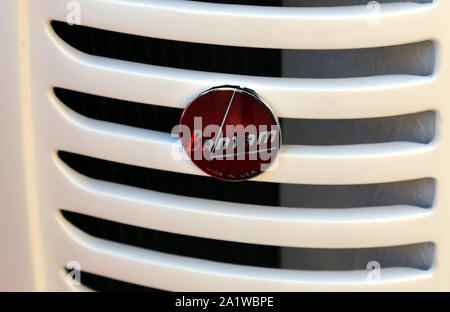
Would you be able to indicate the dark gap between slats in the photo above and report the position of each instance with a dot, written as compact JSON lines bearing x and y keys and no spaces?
{"x":418,"y":127}
{"x":418,"y":193}
{"x":146,"y":116}
{"x":307,"y":3}
{"x":177,"y":54}
{"x":189,"y":246}
{"x":106,"y":284}
{"x":407,"y":59}
{"x":420,"y":256}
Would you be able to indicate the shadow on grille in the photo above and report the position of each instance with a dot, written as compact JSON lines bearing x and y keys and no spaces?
{"x":245,"y":2}
{"x":413,"y":192}
{"x":152,"y":117}
{"x":419,"y":256}
{"x":408,"y":59}
{"x":418,"y":127}
{"x":106,"y":284}
{"x":196,"y":247}
{"x":195,"y":56}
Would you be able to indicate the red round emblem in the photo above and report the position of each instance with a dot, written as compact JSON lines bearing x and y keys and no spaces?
{"x":230,"y":133}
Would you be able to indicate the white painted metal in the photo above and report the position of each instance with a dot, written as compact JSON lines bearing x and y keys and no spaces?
{"x":46,"y":126}
{"x":16,"y":265}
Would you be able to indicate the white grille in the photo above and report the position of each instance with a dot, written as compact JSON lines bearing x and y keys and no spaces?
{"x":47,"y":126}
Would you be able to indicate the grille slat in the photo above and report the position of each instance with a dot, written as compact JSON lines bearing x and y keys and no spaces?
{"x":418,"y":193}
{"x":418,"y":127}
{"x":418,"y":256}
{"x":407,"y":59}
